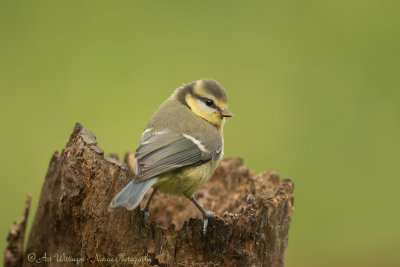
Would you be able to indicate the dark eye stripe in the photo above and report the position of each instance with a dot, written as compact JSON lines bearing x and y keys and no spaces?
{"x":205,"y":100}
{"x":209,"y":102}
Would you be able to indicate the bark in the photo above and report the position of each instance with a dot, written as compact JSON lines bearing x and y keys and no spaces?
{"x":13,"y":255}
{"x":72,"y":223}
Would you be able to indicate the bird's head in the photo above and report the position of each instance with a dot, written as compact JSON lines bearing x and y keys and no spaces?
{"x":207,"y":99}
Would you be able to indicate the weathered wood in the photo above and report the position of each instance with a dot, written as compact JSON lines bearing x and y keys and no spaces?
{"x":72,"y":222}
{"x":13,"y":255}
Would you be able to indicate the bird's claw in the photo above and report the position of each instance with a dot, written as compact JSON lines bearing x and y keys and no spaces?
{"x":146,"y":214}
{"x":206,"y":215}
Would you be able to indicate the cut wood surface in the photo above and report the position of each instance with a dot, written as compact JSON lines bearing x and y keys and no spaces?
{"x":72,"y":223}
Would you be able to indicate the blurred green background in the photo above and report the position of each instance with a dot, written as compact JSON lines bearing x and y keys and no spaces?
{"x":314,"y":86}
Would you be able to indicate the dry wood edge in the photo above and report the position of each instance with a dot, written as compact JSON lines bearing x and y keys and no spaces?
{"x":72,"y":223}
{"x":13,"y":255}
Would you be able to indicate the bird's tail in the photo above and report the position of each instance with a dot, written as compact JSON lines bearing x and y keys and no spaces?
{"x":131,"y":195}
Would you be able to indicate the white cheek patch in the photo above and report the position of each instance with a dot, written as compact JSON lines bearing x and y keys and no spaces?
{"x":205,"y":108}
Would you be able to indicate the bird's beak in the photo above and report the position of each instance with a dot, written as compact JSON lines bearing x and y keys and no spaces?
{"x":226,"y":113}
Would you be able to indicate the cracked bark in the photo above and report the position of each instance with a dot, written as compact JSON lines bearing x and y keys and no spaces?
{"x":72,"y":222}
{"x":13,"y":255}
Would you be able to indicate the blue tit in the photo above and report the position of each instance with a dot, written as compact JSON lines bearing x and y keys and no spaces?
{"x":181,"y":146}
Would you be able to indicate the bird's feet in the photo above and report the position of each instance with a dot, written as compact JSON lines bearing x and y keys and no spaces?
{"x":206,"y":214}
{"x":146,"y":208}
{"x":146,"y":213}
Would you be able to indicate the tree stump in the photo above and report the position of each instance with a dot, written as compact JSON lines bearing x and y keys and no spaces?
{"x":72,"y":224}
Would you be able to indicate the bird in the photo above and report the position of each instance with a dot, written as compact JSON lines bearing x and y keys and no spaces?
{"x":180,"y":147}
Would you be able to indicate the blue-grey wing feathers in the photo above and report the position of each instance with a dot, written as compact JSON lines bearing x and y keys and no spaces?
{"x":162,"y":152}
{"x":131,"y":195}
{"x":169,"y":150}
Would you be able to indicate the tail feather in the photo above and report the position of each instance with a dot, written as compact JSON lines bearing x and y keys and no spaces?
{"x":131,"y":195}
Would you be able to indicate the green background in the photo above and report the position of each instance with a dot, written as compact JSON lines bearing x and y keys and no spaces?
{"x":314,"y":86}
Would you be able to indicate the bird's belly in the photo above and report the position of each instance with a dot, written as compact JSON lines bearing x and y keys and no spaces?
{"x":185,"y":181}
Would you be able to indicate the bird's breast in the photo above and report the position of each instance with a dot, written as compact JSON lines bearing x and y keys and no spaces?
{"x":186,"y":181}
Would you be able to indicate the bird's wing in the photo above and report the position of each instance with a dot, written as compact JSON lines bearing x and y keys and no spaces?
{"x":168,"y":150}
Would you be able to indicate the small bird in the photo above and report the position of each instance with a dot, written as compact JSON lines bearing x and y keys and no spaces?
{"x":181,"y":146}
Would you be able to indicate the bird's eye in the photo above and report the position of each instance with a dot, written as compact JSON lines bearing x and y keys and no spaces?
{"x":209,"y":102}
